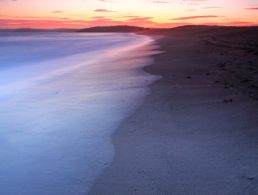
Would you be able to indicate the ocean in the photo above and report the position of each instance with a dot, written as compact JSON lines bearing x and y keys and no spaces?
{"x":62,"y":96}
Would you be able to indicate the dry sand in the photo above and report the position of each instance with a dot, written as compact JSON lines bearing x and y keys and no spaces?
{"x":197,"y":131}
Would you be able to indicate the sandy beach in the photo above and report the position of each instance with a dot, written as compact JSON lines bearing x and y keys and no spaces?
{"x":52,"y":98}
{"x":196,"y":133}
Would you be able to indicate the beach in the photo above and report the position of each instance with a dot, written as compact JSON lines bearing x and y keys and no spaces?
{"x":157,"y":111}
{"x":62,"y":95}
{"x":197,"y":130}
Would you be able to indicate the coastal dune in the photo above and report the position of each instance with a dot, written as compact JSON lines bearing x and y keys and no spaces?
{"x":197,"y":131}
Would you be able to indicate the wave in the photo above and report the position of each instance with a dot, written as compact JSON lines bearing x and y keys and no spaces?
{"x":59,"y":112}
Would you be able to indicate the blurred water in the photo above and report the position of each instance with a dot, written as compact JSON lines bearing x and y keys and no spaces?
{"x":62,"y":95}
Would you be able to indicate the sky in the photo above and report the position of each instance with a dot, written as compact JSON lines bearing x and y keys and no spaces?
{"x":146,"y":13}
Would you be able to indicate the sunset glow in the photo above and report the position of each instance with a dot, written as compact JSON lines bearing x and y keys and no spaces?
{"x":146,"y":13}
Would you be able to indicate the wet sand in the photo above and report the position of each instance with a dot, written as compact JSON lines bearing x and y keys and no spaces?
{"x":197,"y":131}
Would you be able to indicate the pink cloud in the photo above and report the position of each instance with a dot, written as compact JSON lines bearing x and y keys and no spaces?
{"x":103,"y":10}
{"x":252,"y":8}
{"x":159,"y":1}
{"x":195,"y":17}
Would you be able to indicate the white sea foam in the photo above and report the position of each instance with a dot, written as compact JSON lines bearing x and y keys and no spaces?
{"x":62,"y":95}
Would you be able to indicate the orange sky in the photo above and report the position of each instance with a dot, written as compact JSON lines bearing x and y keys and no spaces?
{"x":147,"y":13}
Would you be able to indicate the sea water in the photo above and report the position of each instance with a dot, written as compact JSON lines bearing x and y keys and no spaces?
{"x":62,"y":96}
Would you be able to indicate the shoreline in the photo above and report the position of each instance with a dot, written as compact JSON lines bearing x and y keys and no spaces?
{"x":196,"y":132}
{"x":58,"y":115}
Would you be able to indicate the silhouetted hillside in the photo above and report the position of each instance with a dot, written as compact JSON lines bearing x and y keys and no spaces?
{"x":113,"y":29}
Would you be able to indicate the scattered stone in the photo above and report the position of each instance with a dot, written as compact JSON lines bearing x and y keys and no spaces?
{"x":255,"y":98}
{"x":217,"y":81}
{"x":250,"y":62}
{"x":222,"y":65}
{"x":250,"y":69}
{"x":245,"y":81}
{"x":228,"y":100}
{"x":249,"y":50}
{"x":189,"y":77}
{"x":250,"y":178}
